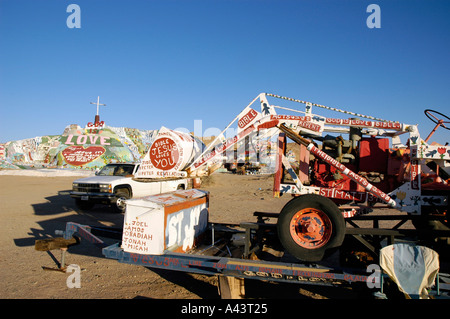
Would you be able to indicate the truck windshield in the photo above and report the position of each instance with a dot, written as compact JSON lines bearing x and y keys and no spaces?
{"x":116,"y":170}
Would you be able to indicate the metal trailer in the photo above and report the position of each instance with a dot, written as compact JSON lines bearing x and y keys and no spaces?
{"x":251,"y":250}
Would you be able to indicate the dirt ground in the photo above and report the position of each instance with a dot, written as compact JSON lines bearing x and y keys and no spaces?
{"x":35,"y":207}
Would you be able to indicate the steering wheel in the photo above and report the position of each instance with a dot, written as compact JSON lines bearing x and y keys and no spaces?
{"x":431,"y":115}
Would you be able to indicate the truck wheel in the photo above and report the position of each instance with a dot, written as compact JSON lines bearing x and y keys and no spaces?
{"x":309,"y":227}
{"x":121,"y":196}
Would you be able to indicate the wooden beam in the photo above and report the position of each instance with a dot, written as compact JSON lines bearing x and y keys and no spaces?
{"x":54,"y":243}
{"x":231,"y":287}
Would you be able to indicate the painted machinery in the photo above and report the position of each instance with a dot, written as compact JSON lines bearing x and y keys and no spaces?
{"x":344,"y":168}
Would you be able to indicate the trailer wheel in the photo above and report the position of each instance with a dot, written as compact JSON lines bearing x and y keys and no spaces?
{"x":310,"y":226}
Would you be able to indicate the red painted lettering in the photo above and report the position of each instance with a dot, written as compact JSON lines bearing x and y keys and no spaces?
{"x":164,"y":154}
{"x":247,"y":118}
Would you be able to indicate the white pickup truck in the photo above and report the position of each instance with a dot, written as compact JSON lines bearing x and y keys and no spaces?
{"x":114,"y":184}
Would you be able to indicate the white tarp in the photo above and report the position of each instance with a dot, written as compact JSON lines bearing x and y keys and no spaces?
{"x":413,"y":268}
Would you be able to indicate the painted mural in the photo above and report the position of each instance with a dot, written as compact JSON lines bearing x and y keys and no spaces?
{"x":78,"y":148}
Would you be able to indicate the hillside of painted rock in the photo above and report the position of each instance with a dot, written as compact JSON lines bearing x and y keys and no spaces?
{"x":78,"y":148}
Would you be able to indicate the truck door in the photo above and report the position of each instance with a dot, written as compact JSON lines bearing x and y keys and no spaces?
{"x":170,"y":186}
{"x":145,"y":188}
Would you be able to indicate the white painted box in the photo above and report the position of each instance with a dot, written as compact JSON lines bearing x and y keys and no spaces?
{"x":165,"y":222}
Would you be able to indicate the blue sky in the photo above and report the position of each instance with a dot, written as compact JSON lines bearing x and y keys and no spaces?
{"x":168,"y":63}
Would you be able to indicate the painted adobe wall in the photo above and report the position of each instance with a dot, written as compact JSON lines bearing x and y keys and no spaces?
{"x":78,"y":148}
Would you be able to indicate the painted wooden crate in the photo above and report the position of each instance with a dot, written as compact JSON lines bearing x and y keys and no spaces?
{"x":166,"y":222}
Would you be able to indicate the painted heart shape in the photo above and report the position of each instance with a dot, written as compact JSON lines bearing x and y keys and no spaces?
{"x":78,"y":155}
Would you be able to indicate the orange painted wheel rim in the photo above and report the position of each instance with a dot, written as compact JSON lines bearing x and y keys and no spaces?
{"x":310,"y":228}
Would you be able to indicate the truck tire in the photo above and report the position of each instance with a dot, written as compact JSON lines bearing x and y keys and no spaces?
{"x":122,"y":195}
{"x":311,"y":227}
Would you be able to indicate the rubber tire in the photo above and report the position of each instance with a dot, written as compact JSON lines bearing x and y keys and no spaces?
{"x":123,"y":194}
{"x":311,"y":201}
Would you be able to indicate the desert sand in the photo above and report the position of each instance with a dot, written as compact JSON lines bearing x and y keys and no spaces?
{"x":34,"y":207}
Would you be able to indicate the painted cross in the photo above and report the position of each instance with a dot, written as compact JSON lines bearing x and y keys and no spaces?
{"x":97,"y":117}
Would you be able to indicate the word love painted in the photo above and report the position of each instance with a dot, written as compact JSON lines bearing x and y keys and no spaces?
{"x":87,"y":139}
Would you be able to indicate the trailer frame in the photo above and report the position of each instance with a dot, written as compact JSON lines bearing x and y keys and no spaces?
{"x":232,"y":269}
